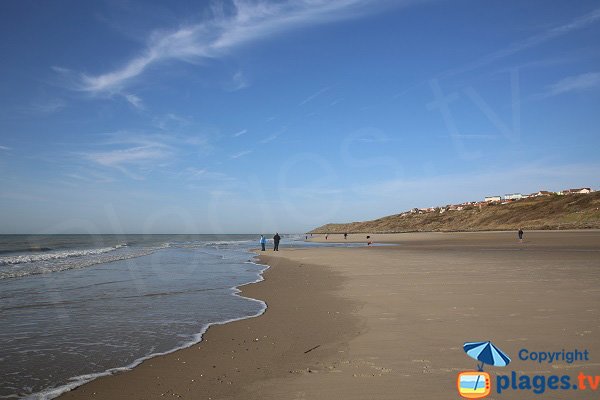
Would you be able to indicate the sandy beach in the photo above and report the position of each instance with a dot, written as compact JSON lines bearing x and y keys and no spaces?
{"x":388,"y":322}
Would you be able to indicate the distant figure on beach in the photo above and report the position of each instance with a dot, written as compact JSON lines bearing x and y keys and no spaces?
{"x":520,"y":235}
{"x":369,"y":241}
{"x":345,"y":236}
{"x":276,"y":240}
{"x":306,"y":237}
{"x":263,"y":242}
{"x":326,"y":236}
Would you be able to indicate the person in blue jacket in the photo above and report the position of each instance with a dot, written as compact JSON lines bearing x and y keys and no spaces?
{"x":263,"y":241}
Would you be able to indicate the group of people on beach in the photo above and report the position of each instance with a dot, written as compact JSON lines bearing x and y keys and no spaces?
{"x":276,"y":240}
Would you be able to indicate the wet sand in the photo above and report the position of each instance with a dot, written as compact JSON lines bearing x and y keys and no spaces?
{"x":389,"y":322}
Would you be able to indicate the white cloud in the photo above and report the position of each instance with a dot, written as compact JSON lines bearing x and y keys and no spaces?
{"x":60,"y":70}
{"x":240,"y":133}
{"x":5,"y":148}
{"x":269,"y":138}
{"x":238,"y":82}
{"x":171,"y":122}
{"x":314,"y":95}
{"x":203,"y":174}
{"x":129,"y":152}
{"x":240,"y":154}
{"x":134,"y":100}
{"x":575,"y":83}
{"x":133,"y":155}
{"x":90,"y":177}
{"x":250,"y":21}
{"x":139,"y":155}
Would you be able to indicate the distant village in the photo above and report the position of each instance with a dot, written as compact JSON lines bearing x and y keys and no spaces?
{"x":506,"y":199}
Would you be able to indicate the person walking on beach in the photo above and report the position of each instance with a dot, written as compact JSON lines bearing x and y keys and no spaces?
{"x":520,"y":235}
{"x":263,"y":242}
{"x":276,"y":240}
{"x":345,"y":236}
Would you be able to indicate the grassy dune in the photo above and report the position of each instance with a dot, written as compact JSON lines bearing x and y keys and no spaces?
{"x":577,"y":211}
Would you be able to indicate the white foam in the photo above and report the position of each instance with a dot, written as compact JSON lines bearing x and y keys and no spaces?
{"x":225,"y":242}
{"x":63,"y":264}
{"x":28,"y":258}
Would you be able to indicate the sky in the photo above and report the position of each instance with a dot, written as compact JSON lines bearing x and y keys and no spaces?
{"x":254,"y":116}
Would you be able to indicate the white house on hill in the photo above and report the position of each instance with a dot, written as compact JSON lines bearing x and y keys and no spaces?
{"x":492,"y":198}
{"x":541,"y":193}
{"x":513,"y":196}
{"x":579,"y":191}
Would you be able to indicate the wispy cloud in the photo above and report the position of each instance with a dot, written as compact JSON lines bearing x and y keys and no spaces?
{"x":269,"y":138}
{"x":314,"y":95}
{"x":137,"y":155}
{"x":90,"y":177}
{"x":134,"y":101}
{"x":273,"y":136}
{"x":204,"y":174}
{"x":248,"y":21}
{"x":575,"y":83}
{"x":238,"y":82}
{"x":132,"y":155}
{"x":46,"y":107}
{"x":240,"y":133}
{"x":532,"y":41}
{"x":5,"y":148}
{"x":240,"y":154}
{"x":171,"y":121}
{"x":473,"y":136}
{"x":128,"y":151}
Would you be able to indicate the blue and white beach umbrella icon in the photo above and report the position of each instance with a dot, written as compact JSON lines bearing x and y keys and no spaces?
{"x":486,"y":353}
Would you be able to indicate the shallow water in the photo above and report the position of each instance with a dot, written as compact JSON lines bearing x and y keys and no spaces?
{"x":66,"y":325}
{"x":75,"y":307}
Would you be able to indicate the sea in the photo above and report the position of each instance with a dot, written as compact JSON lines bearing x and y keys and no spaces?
{"x":77,"y":307}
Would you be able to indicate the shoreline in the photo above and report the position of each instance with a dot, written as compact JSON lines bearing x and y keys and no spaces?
{"x":374,"y":322}
{"x":81,"y":380}
{"x":213,"y":346}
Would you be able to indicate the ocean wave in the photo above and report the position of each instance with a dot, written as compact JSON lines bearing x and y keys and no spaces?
{"x":63,"y":264}
{"x":214,"y":243}
{"x":226,"y":242}
{"x":29,"y":258}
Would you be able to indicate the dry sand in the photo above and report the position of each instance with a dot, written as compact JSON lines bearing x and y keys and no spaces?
{"x":390,"y":321}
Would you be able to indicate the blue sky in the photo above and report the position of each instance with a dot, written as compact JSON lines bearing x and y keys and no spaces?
{"x":257,"y":116}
